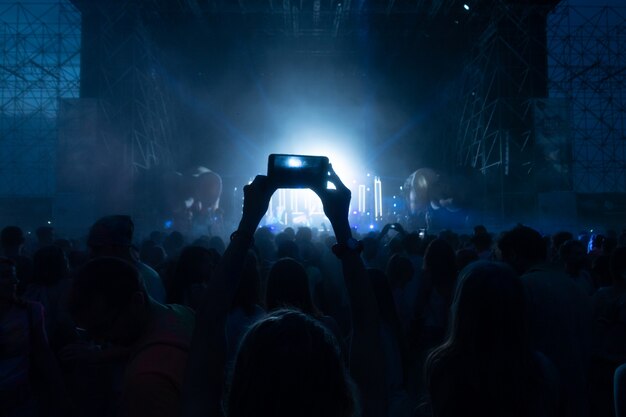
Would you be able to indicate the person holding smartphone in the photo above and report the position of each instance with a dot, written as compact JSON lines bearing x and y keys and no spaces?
{"x":287,"y":364}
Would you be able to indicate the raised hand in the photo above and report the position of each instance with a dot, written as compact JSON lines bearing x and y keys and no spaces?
{"x":336,"y":204}
{"x":256,"y":200}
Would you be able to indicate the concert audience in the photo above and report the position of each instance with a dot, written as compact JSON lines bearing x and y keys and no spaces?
{"x":290,"y":322}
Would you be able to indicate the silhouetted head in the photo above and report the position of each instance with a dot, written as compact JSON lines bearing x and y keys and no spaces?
{"x":195,"y":266}
{"x":109,"y":300}
{"x":289,"y":365}
{"x":11,"y":238}
{"x":290,"y":233}
{"x":64,"y":244}
{"x":440,"y":263}
{"x":482,"y":241}
{"x":45,"y":235}
{"x":304,"y":234}
{"x":557,"y":240}
{"x":399,"y":270}
{"x":111,"y":236}
{"x":522,"y":248}
{"x":479,"y":229}
{"x":288,"y":286}
{"x":488,"y":307}
{"x":573,"y":255}
{"x":50,"y":265}
{"x":173,"y":243}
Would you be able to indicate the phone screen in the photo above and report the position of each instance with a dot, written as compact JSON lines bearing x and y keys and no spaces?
{"x":297,"y":171}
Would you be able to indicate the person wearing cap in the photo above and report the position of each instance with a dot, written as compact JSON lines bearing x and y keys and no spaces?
{"x":113,"y":236}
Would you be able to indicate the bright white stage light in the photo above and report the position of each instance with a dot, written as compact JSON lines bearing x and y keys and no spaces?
{"x":294,"y":162}
{"x":302,"y":206}
{"x":342,"y":151}
{"x":466,"y":7}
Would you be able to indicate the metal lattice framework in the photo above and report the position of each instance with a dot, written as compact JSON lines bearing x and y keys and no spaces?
{"x":584,"y":70}
{"x":39,"y":63}
{"x":500,"y":81}
{"x":587,"y":66}
{"x":135,"y":102}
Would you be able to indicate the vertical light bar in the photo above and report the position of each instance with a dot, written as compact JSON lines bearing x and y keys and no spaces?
{"x":378,"y":198}
{"x":362,"y":198}
{"x":281,"y":198}
{"x":294,"y":200}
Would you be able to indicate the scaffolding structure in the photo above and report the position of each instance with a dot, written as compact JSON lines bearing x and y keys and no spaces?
{"x":136,"y":117}
{"x":574,"y":64}
{"x":134,"y":100}
{"x":587,"y":67}
{"x":504,"y":74}
{"x":39,"y":64}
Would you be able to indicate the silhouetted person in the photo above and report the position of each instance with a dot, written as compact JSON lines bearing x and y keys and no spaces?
{"x":109,"y":301}
{"x":50,"y":287}
{"x":482,"y":242}
{"x":609,"y":336}
{"x":394,"y":343}
{"x":30,"y":379}
{"x":573,"y":257}
{"x":113,"y":236}
{"x":556,"y":241}
{"x":288,"y":364}
{"x":12,"y":241}
{"x":246,"y":308}
{"x":45,"y":236}
{"x":559,"y":315}
{"x":486,"y":366}
{"x":193,"y":271}
{"x":288,"y":287}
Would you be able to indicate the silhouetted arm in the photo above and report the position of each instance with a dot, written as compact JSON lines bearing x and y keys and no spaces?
{"x":365,"y":350}
{"x":205,"y":373}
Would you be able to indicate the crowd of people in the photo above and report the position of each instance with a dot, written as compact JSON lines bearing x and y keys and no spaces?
{"x":312,"y":322}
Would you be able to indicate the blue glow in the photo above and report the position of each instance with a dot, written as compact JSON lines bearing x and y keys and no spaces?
{"x":168,"y":224}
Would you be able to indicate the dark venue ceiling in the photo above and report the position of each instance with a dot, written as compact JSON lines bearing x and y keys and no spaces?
{"x":387,"y":71}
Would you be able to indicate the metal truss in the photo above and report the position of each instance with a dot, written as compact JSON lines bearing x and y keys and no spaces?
{"x":39,"y":64}
{"x":583,"y":65}
{"x":137,"y":124}
{"x":587,"y":66}
{"x":499,"y":83}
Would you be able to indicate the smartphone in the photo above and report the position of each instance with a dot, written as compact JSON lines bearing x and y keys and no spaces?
{"x":297,"y":171}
